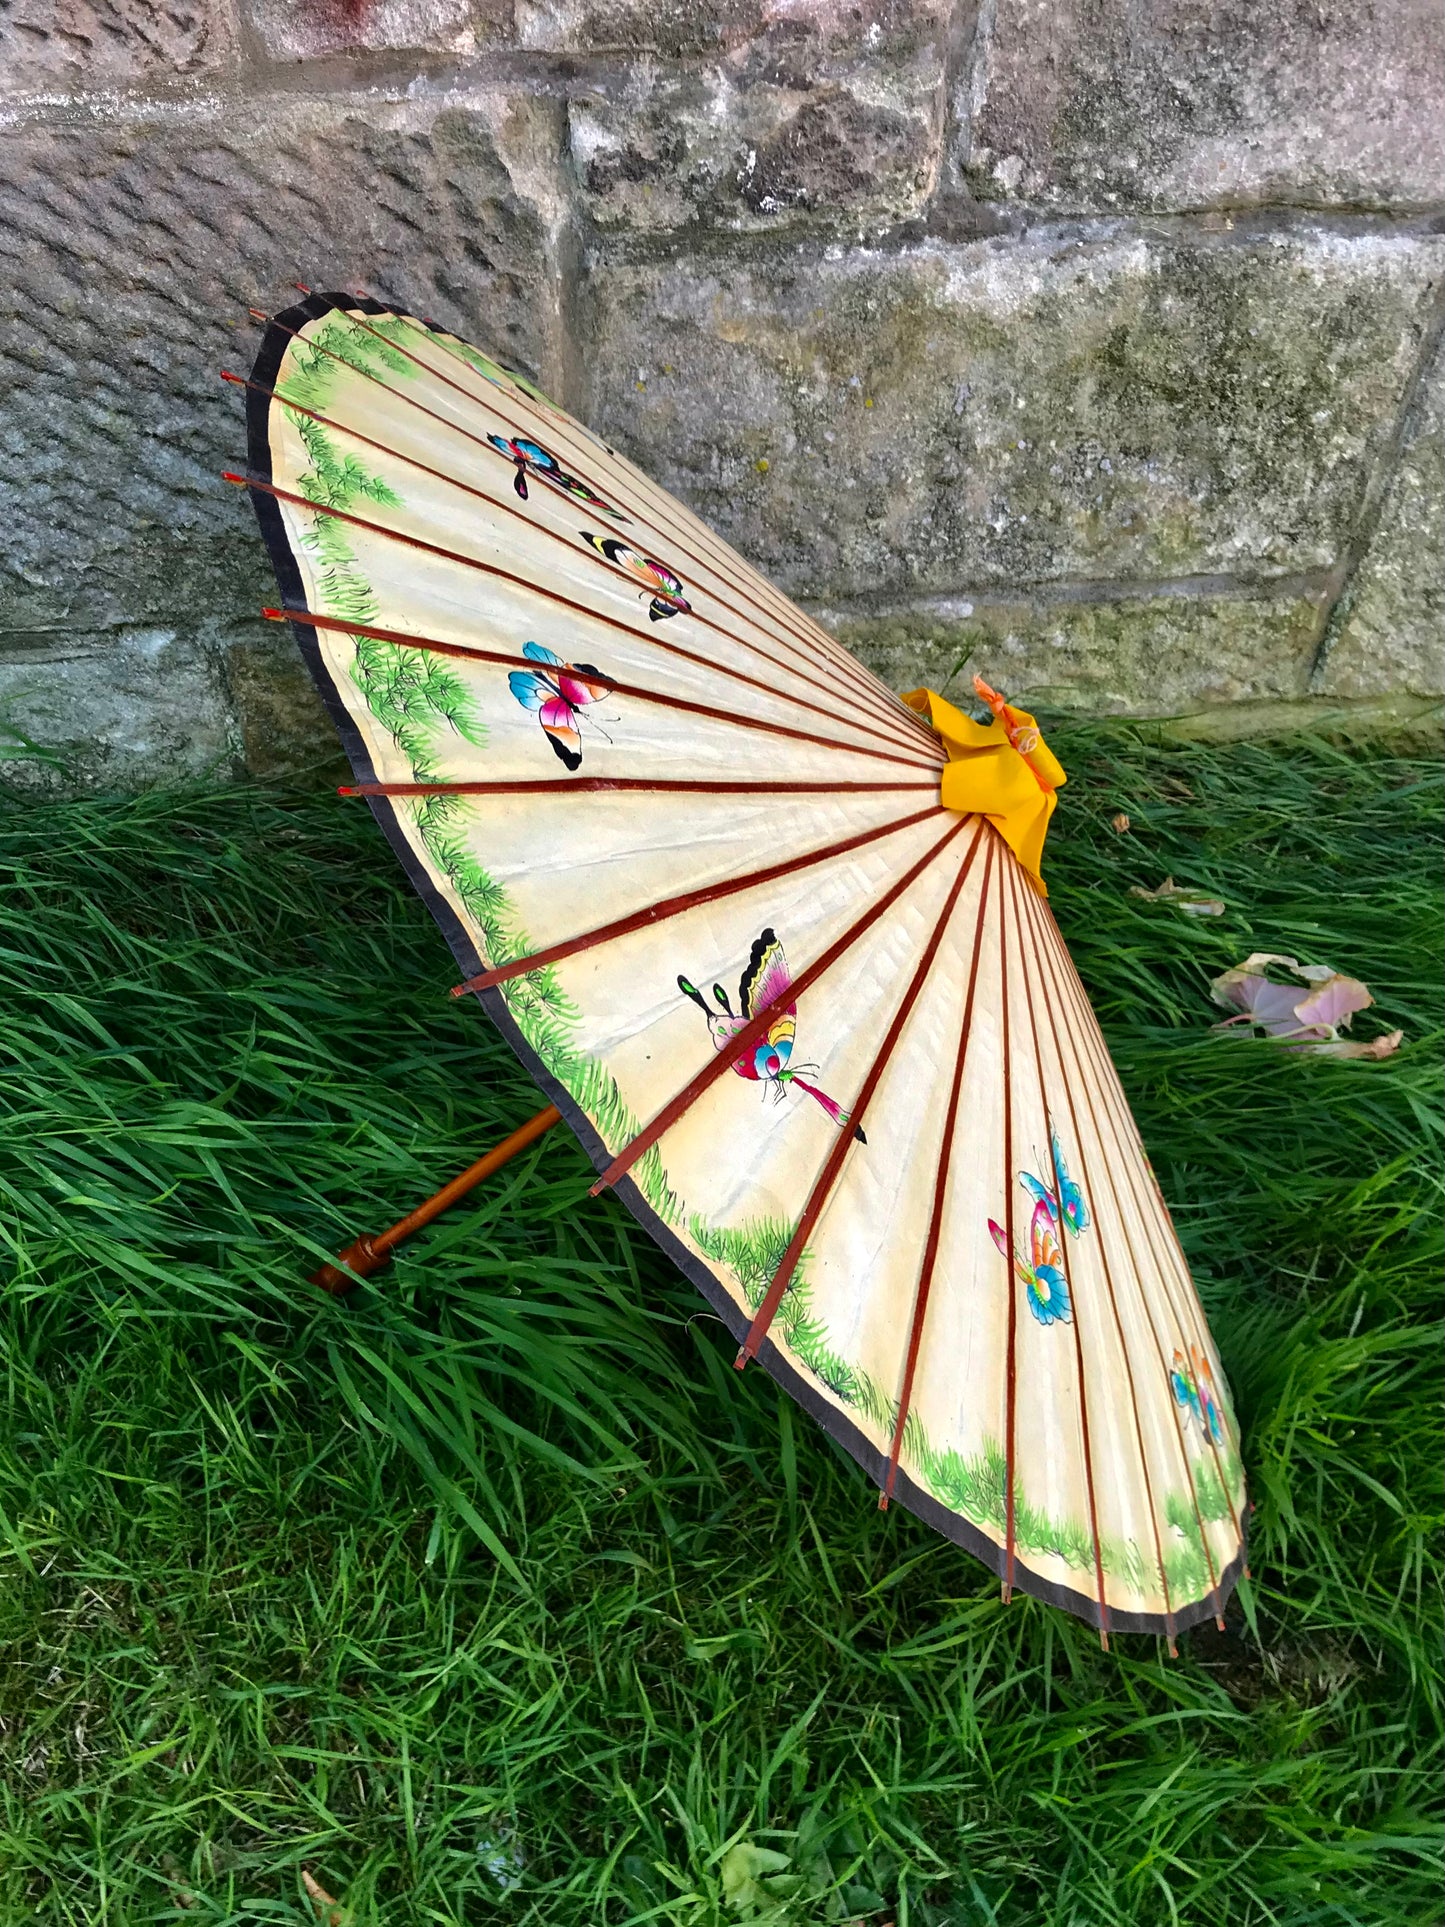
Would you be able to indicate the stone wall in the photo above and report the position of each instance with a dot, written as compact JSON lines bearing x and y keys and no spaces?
{"x":1092,"y":343}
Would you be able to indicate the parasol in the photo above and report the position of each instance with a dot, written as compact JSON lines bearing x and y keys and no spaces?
{"x":775,"y":944}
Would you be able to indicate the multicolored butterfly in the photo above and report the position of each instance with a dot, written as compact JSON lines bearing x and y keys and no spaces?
{"x":1066,"y":1198}
{"x":1193,"y":1384}
{"x":1042,"y":1273}
{"x":532,"y":459}
{"x":667,"y":596}
{"x":768,"y":1062}
{"x":559,"y":698}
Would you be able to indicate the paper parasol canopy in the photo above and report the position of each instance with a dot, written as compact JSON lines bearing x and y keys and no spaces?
{"x":817,"y":1028}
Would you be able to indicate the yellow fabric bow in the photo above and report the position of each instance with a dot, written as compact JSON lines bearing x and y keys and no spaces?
{"x":1003,"y":770}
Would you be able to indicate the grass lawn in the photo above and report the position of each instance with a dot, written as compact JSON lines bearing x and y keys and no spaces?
{"x":496,"y":1595}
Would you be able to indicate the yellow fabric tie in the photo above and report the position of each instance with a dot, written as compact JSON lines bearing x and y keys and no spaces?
{"x":1003,"y":770}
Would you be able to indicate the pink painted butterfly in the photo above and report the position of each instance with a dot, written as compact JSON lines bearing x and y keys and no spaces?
{"x":1046,"y":1287}
{"x":532,"y":459}
{"x":667,"y":596}
{"x":558,"y":698}
{"x":1193,"y":1384}
{"x":769,"y":1061}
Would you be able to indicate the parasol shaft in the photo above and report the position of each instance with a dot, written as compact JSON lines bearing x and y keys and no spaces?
{"x":368,"y":1254}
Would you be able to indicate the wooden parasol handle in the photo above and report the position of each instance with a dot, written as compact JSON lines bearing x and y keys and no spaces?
{"x":368,"y":1254}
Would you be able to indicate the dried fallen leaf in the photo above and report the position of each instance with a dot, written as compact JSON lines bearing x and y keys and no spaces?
{"x":1309,"y":1018}
{"x":1119,"y":824}
{"x":1377,"y":1046}
{"x":328,"y":1908}
{"x":1193,"y":903}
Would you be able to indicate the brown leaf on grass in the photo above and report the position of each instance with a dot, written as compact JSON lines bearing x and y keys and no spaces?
{"x":1377,"y":1046}
{"x":1193,"y":903}
{"x":1308,"y":1018}
{"x":1119,"y":824}
{"x":328,"y":1909}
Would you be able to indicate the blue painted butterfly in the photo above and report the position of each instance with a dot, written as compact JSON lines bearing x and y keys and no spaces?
{"x":558,"y":698}
{"x":1042,"y":1273}
{"x":532,"y":459}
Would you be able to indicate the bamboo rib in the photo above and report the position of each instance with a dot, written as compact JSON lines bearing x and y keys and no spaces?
{"x":1175,"y":1276}
{"x":1011,"y":1356}
{"x":1175,"y":1273}
{"x":1076,"y":1308}
{"x":718,"y":557}
{"x":1179,"y":1428}
{"x":687,"y":900}
{"x":457,"y":428}
{"x":550,"y":595}
{"x":1184,"y":1322}
{"x":894,"y":736}
{"x":891,"y":713}
{"x":1087,"y":1080}
{"x":466,"y":653}
{"x":1091,"y":1186}
{"x":838,"y":1151}
{"x":662,"y":785}
{"x":837,"y":658}
{"x":750,"y":1033}
{"x":940,"y":1190}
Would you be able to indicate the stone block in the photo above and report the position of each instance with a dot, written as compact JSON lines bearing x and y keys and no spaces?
{"x":130,"y":255}
{"x":281,"y":721}
{"x":123,"y":712}
{"x":1017,"y":411}
{"x":1392,"y":639}
{"x":49,"y":46}
{"x":319,"y":29}
{"x":1186,"y":104}
{"x":1164,"y":655}
{"x":813,"y":118}
{"x":789,"y":35}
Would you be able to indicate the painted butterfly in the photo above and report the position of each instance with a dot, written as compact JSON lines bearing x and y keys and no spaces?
{"x":765,"y":977}
{"x":667,"y":596}
{"x":1042,"y":1273}
{"x":1066,"y":1193}
{"x":559,"y":698}
{"x":532,"y":459}
{"x":1193,"y":1384}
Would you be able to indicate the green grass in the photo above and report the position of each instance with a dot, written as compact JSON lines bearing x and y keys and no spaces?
{"x":497,"y":1595}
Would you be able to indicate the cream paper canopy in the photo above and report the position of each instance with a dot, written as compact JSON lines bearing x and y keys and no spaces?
{"x":821,"y":1031}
